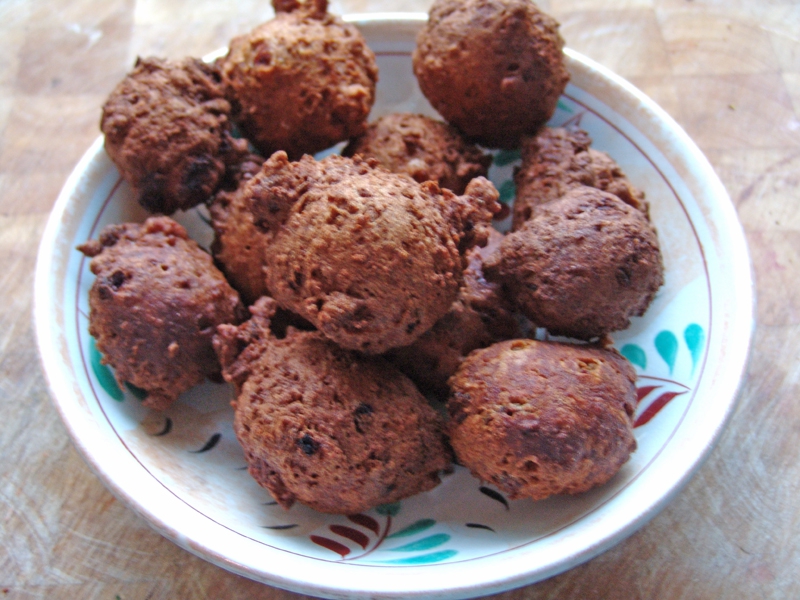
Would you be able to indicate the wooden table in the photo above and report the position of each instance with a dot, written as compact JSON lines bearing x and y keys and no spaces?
{"x":728,"y":71}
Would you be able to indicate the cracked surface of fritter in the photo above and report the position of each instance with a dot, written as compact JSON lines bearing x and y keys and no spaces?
{"x":422,"y":147}
{"x":167,"y":129}
{"x":326,"y":427}
{"x":582,"y":265}
{"x":300,"y":82}
{"x":371,"y":258}
{"x":541,"y":418}
{"x":154,"y":307}
{"x":557,"y":160}
{"x":492,"y":68}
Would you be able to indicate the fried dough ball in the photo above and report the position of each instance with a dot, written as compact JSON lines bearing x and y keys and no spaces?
{"x":492,"y":68}
{"x":301,"y":82}
{"x":167,"y":129}
{"x":326,"y":427}
{"x":422,"y":147}
{"x":371,"y":258}
{"x":480,"y":316}
{"x":541,"y":418}
{"x":246,"y":220}
{"x":155,"y":305}
{"x":582,"y":265}
{"x":558,"y":159}
{"x":238,"y":245}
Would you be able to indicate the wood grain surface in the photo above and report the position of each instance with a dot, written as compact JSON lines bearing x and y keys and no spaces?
{"x":727,"y":70}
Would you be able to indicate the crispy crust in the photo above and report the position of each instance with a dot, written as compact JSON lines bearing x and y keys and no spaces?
{"x":557,"y":160}
{"x":325,"y":427}
{"x":480,"y":316}
{"x":422,"y":147}
{"x":154,"y":307}
{"x":542,"y":418}
{"x":582,"y":265}
{"x":300,"y":82}
{"x":492,"y":68}
{"x":167,"y":129}
{"x":369,"y":257}
{"x":238,"y":245}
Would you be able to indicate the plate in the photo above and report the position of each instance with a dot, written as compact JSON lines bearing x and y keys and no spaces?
{"x":184,"y":473}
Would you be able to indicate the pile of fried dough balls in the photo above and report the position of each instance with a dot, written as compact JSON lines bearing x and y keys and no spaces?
{"x":344,"y":298}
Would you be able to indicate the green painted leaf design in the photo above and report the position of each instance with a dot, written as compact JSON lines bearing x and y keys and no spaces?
{"x":507,"y":191}
{"x":388,"y":510}
{"x":103,"y":373}
{"x":564,"y":107}
{"x":423,"y":559}
{"x":506,"y":157}
{"x":136,"y":391}
{"x":635,"y":355}
{"x":425,"y":543}
{"x":695,"y":339}
{"x":414,"y":528}
{"x":667,"y":346}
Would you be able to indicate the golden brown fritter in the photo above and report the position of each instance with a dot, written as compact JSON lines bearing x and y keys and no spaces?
{"x":238,"y":245}
{"x":167,"y":129}
{"x":541,"y":418}
{"x":371,"y":258}
{"x":556,"y":160}
{"x":246,"y":219}
{"x":326,"y":427}
{"x":492,"y":68}
{"x":582,"y":265}
{"x":422,"y":147}
{"x":155,"y":305}
{"x":480,"y":316}
{"x":301,"y":82}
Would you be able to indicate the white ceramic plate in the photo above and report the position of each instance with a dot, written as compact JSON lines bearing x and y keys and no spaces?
{"x":183,"y":470}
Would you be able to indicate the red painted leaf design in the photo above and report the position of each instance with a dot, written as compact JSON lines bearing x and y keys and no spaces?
{"x":366,"y":522}
{"x":351,"y":534}
{"x":340,"y":549}
{"x":643,"y":391}
{"x":652,"y":410}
